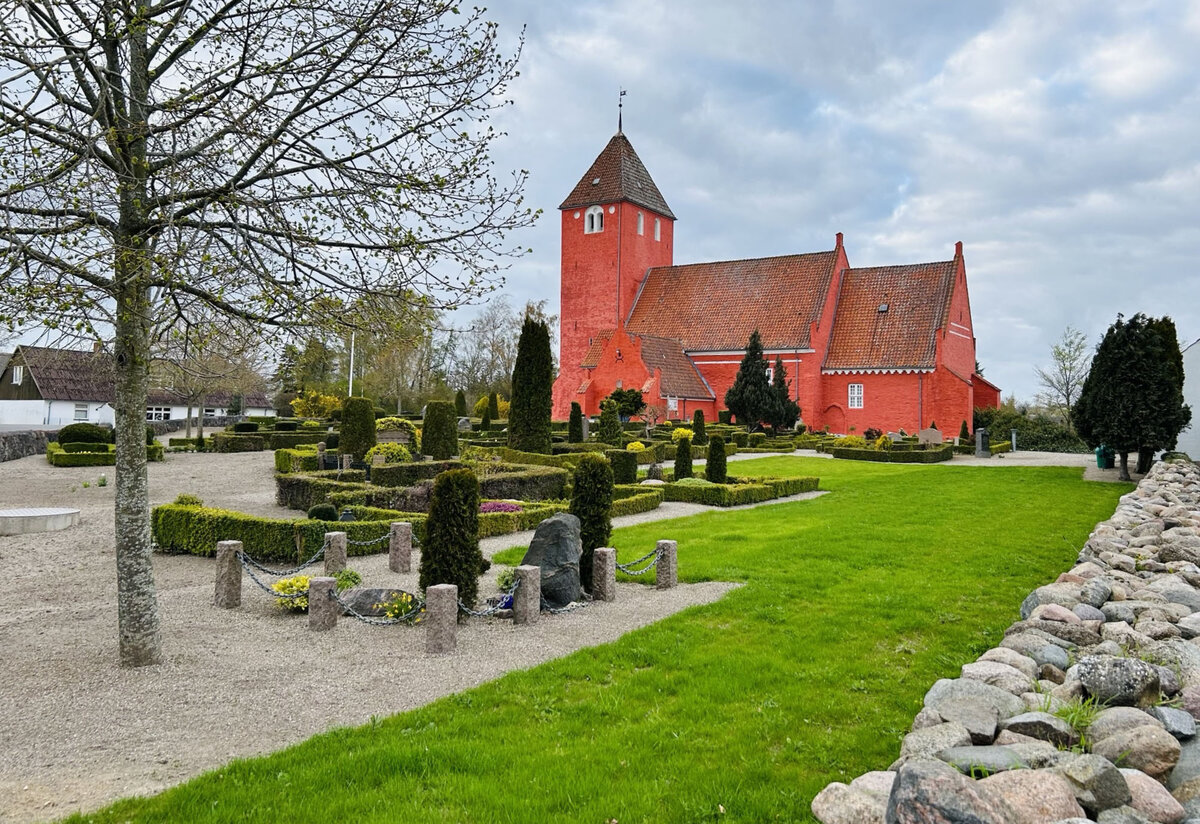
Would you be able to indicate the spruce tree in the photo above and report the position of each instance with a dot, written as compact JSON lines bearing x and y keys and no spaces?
{"x":450,"y":553}
{"x":715,"y":467}
{"x":783,"y":411}
{"x":575,"y":425}
{"x":493,"y":407}
{"x":532,"y":382}
{"x":610,"y":431}
{"x":591,"y":503}
{"x":750,"y":396}
{"x":699,"y":436}
{"x":683,"y":459}
{"x":460,"y":404}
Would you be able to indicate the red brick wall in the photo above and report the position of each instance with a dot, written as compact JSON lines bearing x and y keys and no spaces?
{"x":957,"y":339}
{"x":986,"y":396}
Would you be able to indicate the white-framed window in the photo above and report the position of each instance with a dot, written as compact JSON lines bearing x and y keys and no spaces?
{"x":210,"y":412}
{"x":158,"y":413}
{"x":770,"y":374}
{"x":657,"y":229}
{"x":855,"y":396}
{"x":593,"y":220}
{"x":672,"y":404}
{"x":81,"y":411}
{"x":18,"y":375}
{"x":641,"y":224}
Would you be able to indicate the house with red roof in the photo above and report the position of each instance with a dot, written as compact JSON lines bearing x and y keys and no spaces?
{"x":890,"y":347}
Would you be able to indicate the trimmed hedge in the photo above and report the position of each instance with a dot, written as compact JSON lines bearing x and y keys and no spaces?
{"x":358,"y":426}
{"x":83,"y":433}
{"x":739,"y":491}
{"x":408,"y":474}
{"x":591,"y":503}
{"x":224,"y":442}
{"x":515,"y":456}
{"x":634,"y":498}
{"x":624,"y":465}
{"x":295,"y":460}
{"x":926,"y":456}
{"x":450,"y":553}
{"x":304,"y":490}
{"x":288,"y":440}
{"x":245,"y":427}
{"x":84,"y":446}
{"x":57,"y":456}
{"x":578,"y":448}
{"x":439,"y":435}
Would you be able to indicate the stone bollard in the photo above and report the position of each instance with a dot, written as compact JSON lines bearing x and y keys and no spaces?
{"x":604,"y":574}
{"x":229,"y":575}
{"x":667,"y":571}
{"x":322,"y":609}
{"x":441,"y":618}
{"x":400,"y":547}
{"x":335,"y":552}
{"x":346,"y":459}
{"x":527,"y":601}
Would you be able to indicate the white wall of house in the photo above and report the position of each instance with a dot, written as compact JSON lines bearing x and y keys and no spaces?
{"x":179,"y":413}
{"x":23,"y":413}
{"x":1189,"y":441}
{"x":61,"y":413}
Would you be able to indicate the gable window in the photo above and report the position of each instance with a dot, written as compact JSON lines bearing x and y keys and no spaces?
{"x":18,"y":375}
{"x":593,"y":221}
{"x":641,"y":224}
{"x":657,"y":229}
{"x":855,"y":399}
{"x":81,"y":411}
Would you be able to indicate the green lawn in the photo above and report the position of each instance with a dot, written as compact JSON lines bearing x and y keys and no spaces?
{"x":853,"y":605}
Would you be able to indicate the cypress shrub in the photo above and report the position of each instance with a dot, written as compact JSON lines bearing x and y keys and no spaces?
{"x":725,"y":416}
{"x":151,"y":435}
{"x":624,"y":465}
{"x":683,"y":459}
{"x":591,"y":503}
{"x":714,"y":468}
{"x":699,"y":436}
{"x":610,"y":424}
{"x":485,"y":422}
{"x":358,"y":427}
{"x":964,"y":434}
{"x":82,"y":433}
{"x":439,"y":436}
{"x":493,"y":407}
{"x":532,"y":382}
{"x":575,"y":425}
{"x":460,"y":404}
{"x":450,"y":553}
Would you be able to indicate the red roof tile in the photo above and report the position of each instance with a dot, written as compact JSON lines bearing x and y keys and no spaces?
{"x":618,"y":174}
{"x":591,"y":358}
{"x":715,"y":306}
{"x":917,"y":298}
{"x":680,"y":379}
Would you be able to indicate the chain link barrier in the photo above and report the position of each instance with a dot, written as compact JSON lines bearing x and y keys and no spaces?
{"x":418,"y":608}
{"x":282,"y":573}
{"x":371,"y":541}
{"x":655,"y":553}
{"x":267,"y":587}
{"x":571,"y":607}
{"x":492,"y":610}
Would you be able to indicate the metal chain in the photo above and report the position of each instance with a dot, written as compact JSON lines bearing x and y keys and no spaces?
{"x":418,"y":605}
{"x":380,"y":539}
{"x":628,"y":571}
{"x":267,"y":587}
{"x":282,"y":573}
{"x":571,"y":607}
{"x":492,"y":610}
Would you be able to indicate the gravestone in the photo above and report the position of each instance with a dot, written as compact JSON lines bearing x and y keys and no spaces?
{"x":585,"y":427}
{"x":464,"y":424}
{"x":929,"y":437}
{"x":556,"y":548}
{"x":895,"y":437}
{"x":983,"y":445}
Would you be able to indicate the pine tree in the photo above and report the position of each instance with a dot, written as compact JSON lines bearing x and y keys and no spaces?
{"x":699,"y":436}
{"x":575,"y":424}
{"x":783,"y":411}
{"x":750,"y":396}
{"x":610,"y":431}
{"x":532,"y":384}
{"x":460,"y":404}
{"x":450,"y":553}
{"x":591,"y":503}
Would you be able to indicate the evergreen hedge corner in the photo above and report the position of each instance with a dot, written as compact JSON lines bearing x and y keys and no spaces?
{"x":358,"y":427}
{"x":591,"y":503}
{"x":609,"y":431}
{"x":715,"y":466}
{"x":624,"y":465}
{"x":439,"y":436}
{"x":450,"y":552}
{"x":460,"y":404}
{"x":699,"y":435}
{"x":575,"y":424}
{"x":532,"y":386}
{"x":683,"y":459}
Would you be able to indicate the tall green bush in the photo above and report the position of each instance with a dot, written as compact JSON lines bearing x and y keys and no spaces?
{"x":485,"y":423}
{"x":591,"y":503}
{"x":683,"y":459}
{"x":439,"y":435}
{"x":358,"y":427}
{"x":82,"y":433}
{"x":699,"y":435}
{"x":493,"y":407}
{"x":450,"y":553}
{"x":964,"y":434}
{"x":750,"y":396}
{"x":460,"y":404}
{"x":714,"y":467}
{"x":609,"y":430}
{"x":624,"y":465}
{"x":575,"y":424}
{"x":532,"y":383}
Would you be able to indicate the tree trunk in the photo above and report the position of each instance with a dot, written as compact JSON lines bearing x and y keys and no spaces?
{"x":1124,"y":474}
{"x":188,"y":434}
{"x":137,"y":604}
{"x":1145,"y":460}
{"x":200,"y":415}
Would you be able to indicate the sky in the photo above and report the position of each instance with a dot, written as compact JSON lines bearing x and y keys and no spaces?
{"x":1060,"y":142}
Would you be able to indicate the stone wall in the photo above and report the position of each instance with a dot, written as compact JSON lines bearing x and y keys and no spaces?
{"x":14,"y":445}
{"x":1087,"y":709}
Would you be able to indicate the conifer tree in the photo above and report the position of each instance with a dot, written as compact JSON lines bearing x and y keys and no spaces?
{"x":699,"y":436}
{"x":358,"y":427}
{"x":783,"y":411}
{"x":450,"y":553}
{"x":715,"y":469}
{"x":591,"y":503}
{"x":683,"y":459}
{"x":493,"y":407}
{"x":460,"y":404}
{"x":964,"y":434}
{"x":575,"y":425}
{"x":532,"y":383}
{"x":750,"y":396}
{"x":439,"y":434}
{"x":610,"y":431}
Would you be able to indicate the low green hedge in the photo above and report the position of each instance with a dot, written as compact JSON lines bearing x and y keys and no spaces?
{"x":187,"y":442}
{"x":630,"y":499}
{"x":516,"y":456}
{"x":303,"y":490}
{"x":567,"y":448}
{"x":296,"y":460}
{"x":407,"y":474}
{"x":225,"y":442}
{"x":290,"y":440}
{"x":926,"y":456}
{"x":739,"y":491}
{"x":87,"y":447}
{"x":56,"y":455}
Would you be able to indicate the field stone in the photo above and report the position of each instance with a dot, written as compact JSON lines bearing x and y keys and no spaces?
{"x":1152,"y":799}
{"x":1074,"y":635}
{"x":1157,"y":630}
{"x":1087,"y":612}
{"x":980,"y":761}
{"x":1168,"y":681}
{"x":1043,"y":726}
{"x":1118,"y":681}
{"x":556,"y":548}
{"x":1189,"y":701}
{"x":1115,"y":720}
{"x":1175,"y":721}
{"x":945,"y":689}
{"x":1052,"y":674}
{"x":1190,"y":626}
{"x":840,"y":804}
{"x":928,"y":742}
{"x":979,"y":718}
{"x":1054,"y":612}
{"x":927,"y":717}
{"x":1176,"y":591}
{"x":1124,"y":634}
{"x":928,"y":791}
{"x":1108,"y":648}
{"x":1066,"y":595}
{"x":1097,"y":784}
{"x":999,"y":675}
{"x":1115,"y":611}
{"x":1122,"y":815}
{"x":1095,"y":592}
{"x":1034,"y":795}
{"x":1037,"y":648}
{"x":1187,"y":768}
{"x":1179,"y":655}
{"x":876,"y":782}
{"x":1150,"y":749}
{"x":1039,"y":754}
{"x":1014,"y":659}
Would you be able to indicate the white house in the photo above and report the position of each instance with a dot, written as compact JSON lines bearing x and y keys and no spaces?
{"x":1189,"y":441}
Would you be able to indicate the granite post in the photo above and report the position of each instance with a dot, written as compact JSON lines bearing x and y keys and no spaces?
{"x":400,"y":547}
{"x":335,"y":552}
{"x":322,"y":609}
{"x":441,"y":618}
{"x":667,"y":571}
{"x":604,"y":574}
{"x":527,"y":600}
{"x":229,"y":575}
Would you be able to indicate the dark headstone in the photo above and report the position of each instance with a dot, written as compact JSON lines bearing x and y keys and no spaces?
{"x":556,"y":547}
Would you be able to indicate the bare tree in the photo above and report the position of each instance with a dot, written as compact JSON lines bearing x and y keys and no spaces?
{"x":267,"y":159}
{"x":1063,"y":380}
{"x":484,"y":354}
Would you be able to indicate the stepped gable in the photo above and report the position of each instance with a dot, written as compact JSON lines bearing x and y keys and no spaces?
{"x":903,"y":336}
{"x":591,"y":358}
{"x":679,"y":376}
{"x":715,"y":306}
{"x":618,"y":174}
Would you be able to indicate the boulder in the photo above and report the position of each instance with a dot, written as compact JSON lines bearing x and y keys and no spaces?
{"x":1037,"y":648}
{"x":979,"y":762}
{"x":1087,"y":612}
{"x":1150,"y":749}
{"x":1038,"y":754}
{"x":929,"y":791}
{"x":840,"y":804}
{"x":1181,"y":656}
{"x":1119,"y":719}
{"x":1005,"y":703}
{"x":979,"y":718}
{"x":1097,"y":784}
{"x":1187,"y":769}
{"x":928,"y":742}
{"x":1152,"y":799}
{"x":1095,"y":592}
{"x":556,"y":548}
{"x":1054,"y":612}
{"x":1075,"y":635}
{"x":1066,"y":595}
{"x":369,"y":602}
{"x":1189,"y":701}
{"x":1034,"y":795}
{"x":1044,"y":727}
{"x":1118,"y":681}
{"x":1189,"y":626}
{"x":1122,"y":815}
{"x":1013,"y":658}
{"x":999,"y":675}
{"x":1175,"y":721}
{"x":876,"y":782}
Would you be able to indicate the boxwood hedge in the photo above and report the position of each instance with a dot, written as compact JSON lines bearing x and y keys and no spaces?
{"x":738,"y":491}
{"x":925,"y":456}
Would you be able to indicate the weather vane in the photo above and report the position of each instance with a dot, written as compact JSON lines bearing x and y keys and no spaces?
{"x":620,"y":103}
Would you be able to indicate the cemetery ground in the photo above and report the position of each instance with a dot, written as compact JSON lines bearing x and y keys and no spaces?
{"x":741,"y":709}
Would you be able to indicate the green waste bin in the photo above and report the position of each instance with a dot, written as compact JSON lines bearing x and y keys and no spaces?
{"x":1104,"y":457}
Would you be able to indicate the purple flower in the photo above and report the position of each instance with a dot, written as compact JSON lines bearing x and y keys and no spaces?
{"x":498,"y":506}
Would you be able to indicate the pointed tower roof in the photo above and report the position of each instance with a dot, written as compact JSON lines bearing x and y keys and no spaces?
{"x":618,"y":174}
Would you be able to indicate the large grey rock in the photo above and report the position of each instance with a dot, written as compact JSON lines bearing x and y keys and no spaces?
{"x":1175,"y":721}
{"x":1187,"y":768}
{"x":1038,"y":754}
{"x":371,"y":603}
{"x":1095,"y":592}
{"x":1037,"y":648}
{"x":1150,"y":749}
{"x":1044,"y":727}
{"x":928,"y":742}
{"x":1122,"y":815}
{"x":840,"y":804}
{"x":1014,"y":659}
{"x":1177,"y":591}
{"x":1077,"y":634}
{"x":876,"y":782}
{"x":556,"y":548}
{"x":1005,"y":703}
{"x":979,"y":762}
{"x":1152,"y":799}
{"x":1097,"y":783}
{"x":978,"y":717}
{"x":1066,"y":595}
{"x":1113,"y":720}
{"x":1118,"y":681}
{"x":1034,"y":795}
{"x":1009,"y":679}
{"x":1181,"y":656}
{"x":1190,"y":626}
{"x":1087,"y":612}
{"x":932,"y":792}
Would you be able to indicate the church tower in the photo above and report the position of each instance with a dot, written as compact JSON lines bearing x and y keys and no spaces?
{"x":615,"y":226}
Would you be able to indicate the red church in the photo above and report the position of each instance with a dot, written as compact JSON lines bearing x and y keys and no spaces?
{"x":888,"y":347}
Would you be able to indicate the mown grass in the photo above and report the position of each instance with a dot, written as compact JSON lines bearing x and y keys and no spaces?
{"x":853,"y":604}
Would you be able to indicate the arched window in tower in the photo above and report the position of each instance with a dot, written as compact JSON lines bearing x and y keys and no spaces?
{"x":641,"y":224}
{"x":657,"y":229}
{"x":594,"y":220}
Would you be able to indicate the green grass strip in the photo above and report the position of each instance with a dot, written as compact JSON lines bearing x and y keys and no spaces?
{"x":853,"y":604}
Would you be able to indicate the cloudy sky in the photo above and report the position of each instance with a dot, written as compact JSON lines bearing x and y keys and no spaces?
{"x":1059,"y":141}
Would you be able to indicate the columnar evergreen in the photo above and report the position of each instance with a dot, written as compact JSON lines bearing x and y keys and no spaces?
{"x":485,"y":423}
{"x":450,"y":553}
{"x":460,"y":404}
{"x":532,"y":384}
{"x":783,"y":412}
{"x":750,"y":396}
{"x":591,"y":503}
{"x":358,"y":427}
{"x":964,"y":434}
{"x":493,"y":407}
{"x":714,"y":467}
{"x":699,"y":435}
{"x":575,"y":425}
{"x":624,"y":465}
{"x":683,"y":459}
{"x":609,"y":430}
{"x":439,"y":435}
